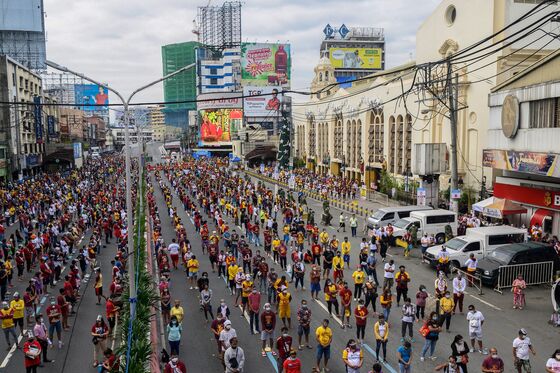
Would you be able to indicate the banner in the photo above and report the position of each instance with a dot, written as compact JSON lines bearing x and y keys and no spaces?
{"x":91,"y":94}
{"x":226,"y":100}
{"x":38,"y":113}
{"x":356,"y":58}
{"x":77,"y":147}
{"x":262,"y":101}
{"x":50,"y":126}
{"x":265,"y":64}
{"x":521,"y":161}
{"x":217,"y":125}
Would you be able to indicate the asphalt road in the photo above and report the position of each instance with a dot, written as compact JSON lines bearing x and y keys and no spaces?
{"x":198,"y":348}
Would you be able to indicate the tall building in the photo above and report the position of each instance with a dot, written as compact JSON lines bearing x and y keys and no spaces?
{"x":219,"y":71}
{"x":181,"y":87}
{"x":156,"y":117}
{"x":22,"y":32}
{"x":355,"y":51}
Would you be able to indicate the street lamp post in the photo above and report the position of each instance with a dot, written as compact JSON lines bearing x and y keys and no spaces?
{"x":129,"y":222}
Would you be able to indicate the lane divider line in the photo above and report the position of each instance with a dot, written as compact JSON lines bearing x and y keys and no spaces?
{"x":385,"y":364}
{"x":12,"y":350}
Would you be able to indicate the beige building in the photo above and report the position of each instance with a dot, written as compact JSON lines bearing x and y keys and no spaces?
{"x":374,"y":124}
{"x":156,"y":117}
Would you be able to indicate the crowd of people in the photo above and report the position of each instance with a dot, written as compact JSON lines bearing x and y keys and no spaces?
{"x":275,"y":233}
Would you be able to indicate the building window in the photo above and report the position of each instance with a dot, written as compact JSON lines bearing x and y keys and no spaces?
{"x":450,"y":14}
{"x":213,"y":81}
{"x":213,"y":71}
{"x":544,"y":113}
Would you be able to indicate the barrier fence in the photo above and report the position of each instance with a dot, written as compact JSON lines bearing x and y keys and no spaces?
{"x":533,"y":274}
{"x":472,"y":279}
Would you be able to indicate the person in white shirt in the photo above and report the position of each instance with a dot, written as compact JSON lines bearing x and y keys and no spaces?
{"x":471,"y":265}
{"x":521,"y":348}
{"x":553,"y":364}
{"x":424,"y":243}
{"x":389,"y":276}
{"x":476,"y":320}
{"x":459,"y":286}
{"x":234,"y":357}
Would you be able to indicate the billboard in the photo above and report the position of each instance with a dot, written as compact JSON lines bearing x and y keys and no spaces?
{"x":226,"y":100}
{"x":38,"y":114}
{"x":218,"y":125}
{"x":91,"y":94}
{"x":544,"y":164}
{"x":77,"y":147}
{"x":262,"y":101}
{"x":21,"y":15}
{"x":265,"y":64}
{"x":356,"y":58}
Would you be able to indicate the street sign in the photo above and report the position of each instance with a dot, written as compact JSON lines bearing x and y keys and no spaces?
{"x":456,"y":194}
{"x":421,"y":196}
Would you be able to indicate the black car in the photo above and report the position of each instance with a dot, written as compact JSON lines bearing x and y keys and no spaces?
{"x":514,"y":254}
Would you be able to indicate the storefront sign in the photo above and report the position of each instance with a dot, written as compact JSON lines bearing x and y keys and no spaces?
{"x":531,"y":196}
{"x":529,"y":162}
{"x":32,"y":160}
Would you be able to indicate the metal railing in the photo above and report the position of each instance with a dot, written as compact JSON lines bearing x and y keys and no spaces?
{"x":533,"y":274}
{"x":472,"y":279}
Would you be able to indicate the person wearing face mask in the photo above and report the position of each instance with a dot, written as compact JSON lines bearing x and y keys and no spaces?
{"x":459,"y":286}
{"x":446,"y":306}
{"x":8,"y":326}
{"x":284,"y":309}
{"x":421,"y":297}
{"x":346,"y":302}
{"x":408,"y":315}
{"x":361,"y":313}
{"x":370,"y":293}
{"x":460,"y":350}
{"x":268,"y":324}
{"x":292,"y":364}
{"x":254,"y":300}
{"x":440,"y":285}
{"x":217,"y":326}
{"x":389,"y":276}
{"x":99,"y":333}
{"x":493,"y":363}
{"x":353,"y":357}
{"x":521,"y":348}
{"x":174,"y":331}
{"x":175,"y":365}
{"x":338,"y":265}
{"x":450,"y":367}
{"x":323,"y":335}
{"x":234,"y":357}
{"x":553,"y":364}
{"x":32,"y":351}
{"x":54,"y":314}
{"x":304,"y":320}
{"x":283,"y":346}
{"x":225,"y":337}
{"x":381,"y":331}
{"x":433,"y":329}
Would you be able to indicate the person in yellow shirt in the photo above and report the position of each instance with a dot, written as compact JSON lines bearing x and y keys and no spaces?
{"x":177,"y":311}
{"x":8,"y":326}
{"x":345,"y":250}
{"x":275,"y":246}
{"x":359,"y":277}
{"x":246,"y":288}
{"x":284,"y":311}
{"x":323,"y":335}
{"x":192,"y":267}
{"x":446,"y":305}
{"x":18,"y":306}
{"x":334,"y":243}
{"x":338,"y":266}
{"x":353,"y":357}
{"x":324,"y":238}
{"x":381,"y":331}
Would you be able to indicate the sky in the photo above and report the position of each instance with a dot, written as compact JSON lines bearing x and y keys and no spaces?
{"x":119,"y":41}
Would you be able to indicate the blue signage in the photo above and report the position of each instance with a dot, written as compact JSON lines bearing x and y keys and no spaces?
{"x":32,"y":160}
{"x":328,"y":31}
{"x":343,"y":31}
{"x":77,"y":147}
{"x":50,"y":126}
{"x":38,"y":119}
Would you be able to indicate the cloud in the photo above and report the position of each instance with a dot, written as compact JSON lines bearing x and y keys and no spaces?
{"x":119,"y":42}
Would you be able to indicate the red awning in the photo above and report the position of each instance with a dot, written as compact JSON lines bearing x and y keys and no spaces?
{"x":539,"y":216}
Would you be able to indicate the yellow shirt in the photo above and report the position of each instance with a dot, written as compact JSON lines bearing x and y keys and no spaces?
{"x":99,"y":283}
{"x":324,"y":335}
{"x":324,"y":237}
{"x":18,"y":307}
{"x":338,"y":262}
{"x":345,"y":248}
{"x":177,"y":312}
{"x":192,"y":265}
{"x":381,"y":331}
{"x":284,"y":299}
{"x":446,"y":305}
{"x":7,"y":322}
{"x":286,"y":229}
{"x":247,"y":287}
{"x":232,"y":271}
{"x":358,"y":277}
{"x":275,"y":244}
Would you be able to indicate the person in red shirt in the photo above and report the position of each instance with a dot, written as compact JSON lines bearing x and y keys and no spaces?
{"x":292,"y":364}
{"x":54,"y":314}
{"x":346,"y":299}
{"x":64,"y":307}
{"x":283,"y":345}
{"x":32,"y":352}
{"x":110,"y":362}
{"x":361,"y":313}
{"x":175,"y":366}
{"x":112,"y":311}
{"x":316,"y":251}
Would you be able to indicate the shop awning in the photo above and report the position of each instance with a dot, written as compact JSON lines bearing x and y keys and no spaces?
{"x":503,"y":207}
{"x":539,"y":216}
{"x":479,"y":206}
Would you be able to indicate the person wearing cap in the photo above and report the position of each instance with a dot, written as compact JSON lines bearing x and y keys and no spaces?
{"x":175,"y":365}
{"x":99,"y":333}
{"x":32,"y":353}
{"x":521,"y":348}
{"x":18,"y":306}
{"x":292,"y":364}
{"x":8,"y":326}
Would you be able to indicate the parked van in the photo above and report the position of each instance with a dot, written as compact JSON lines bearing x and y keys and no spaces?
{"x":386,"y":215}
{"x":478,"y":241}
{"x":432,"y":222}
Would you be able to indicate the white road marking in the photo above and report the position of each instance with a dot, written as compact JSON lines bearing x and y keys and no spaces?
{"x":323,"y":306}
{"x":485,"y":302}
{"x":12,"y":350}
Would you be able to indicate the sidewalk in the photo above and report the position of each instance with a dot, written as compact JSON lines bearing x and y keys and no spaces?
{"x":360,"y":207}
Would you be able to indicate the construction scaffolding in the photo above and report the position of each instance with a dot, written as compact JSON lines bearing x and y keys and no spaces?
{"x":61,"y":86}
{"x":219,"y":26}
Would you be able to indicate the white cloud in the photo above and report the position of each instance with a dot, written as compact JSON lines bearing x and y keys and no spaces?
{"x":119,"y":41}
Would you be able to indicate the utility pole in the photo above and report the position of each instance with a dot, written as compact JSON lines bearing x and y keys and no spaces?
{"x":453,"y":87}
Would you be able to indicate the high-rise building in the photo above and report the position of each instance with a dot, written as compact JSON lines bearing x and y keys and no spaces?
{"x":354,"y":51}
{"x":181,"y":87}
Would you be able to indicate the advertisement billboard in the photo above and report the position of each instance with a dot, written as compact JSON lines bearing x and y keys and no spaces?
{"x":21,"y":15}
{"x":77,"y":147}
{"x":262,"y":101}
{"x":218,"y":125}
{"x":265,"y":64}
{"x":226,"y":100}
{"x":91,"y":94}
{"x":356,"y":58}
{"x":544,"y":164}
{"x":38,"y":114}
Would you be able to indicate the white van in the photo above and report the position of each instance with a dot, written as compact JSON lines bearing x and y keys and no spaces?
{"x":386,"y":215}
{"x":478,"y":241}
{"x":432,"y":222}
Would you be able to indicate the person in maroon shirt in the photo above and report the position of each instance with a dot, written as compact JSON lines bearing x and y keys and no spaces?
{"x":54,"y":313}
{"x":110,"y":362}
{"x":346,"y":299}
{"x":283,"y":345}
{"x":217,"y":326}
{"x":493,"y":363}
{"x":32,"y":352}
{"x":64,"y":307}
{"x":292,"y":364}
{"x":175,"y":366}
